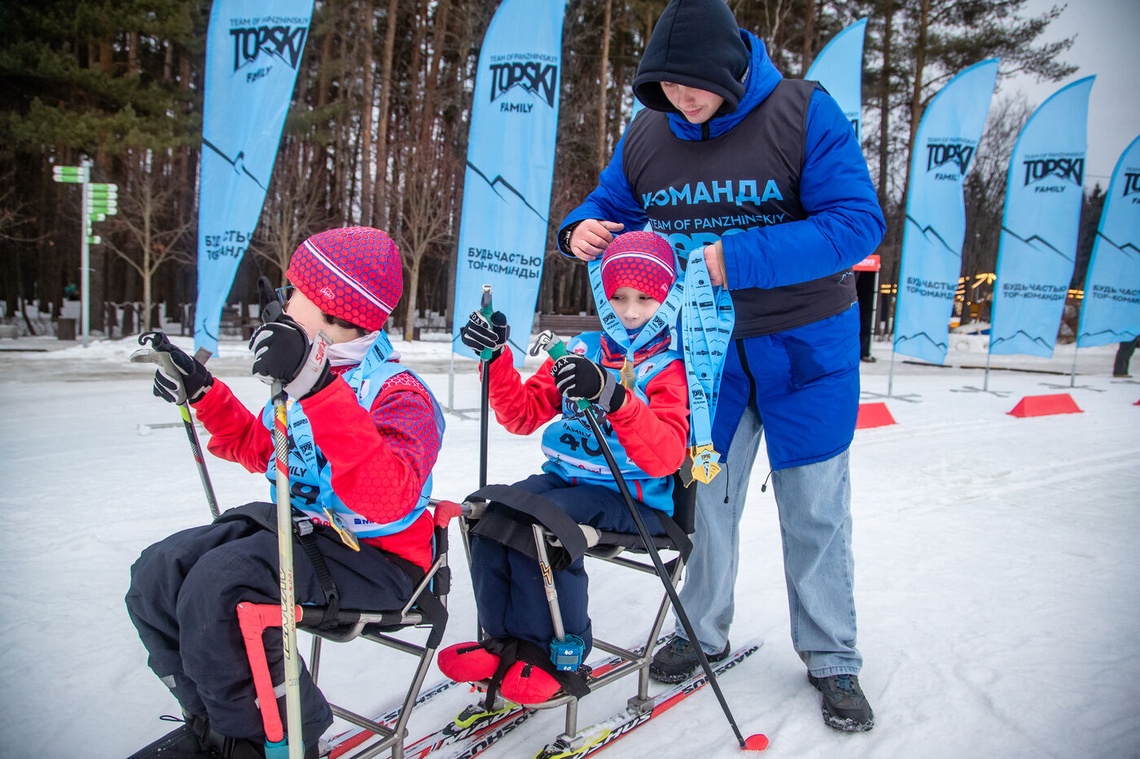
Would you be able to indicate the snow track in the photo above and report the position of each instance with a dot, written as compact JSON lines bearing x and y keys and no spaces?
{"x":997,"y":570}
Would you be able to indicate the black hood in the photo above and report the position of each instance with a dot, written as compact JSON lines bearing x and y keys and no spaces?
{"x":696,"y":43}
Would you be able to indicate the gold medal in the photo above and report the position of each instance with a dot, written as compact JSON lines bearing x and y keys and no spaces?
{"x":628,"y":375}
{"x":705,"y":465}
{"x":347,"y":536}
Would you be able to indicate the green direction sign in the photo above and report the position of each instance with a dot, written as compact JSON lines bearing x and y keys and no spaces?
{"x":102,"y":201}
{"x":71,"y":174}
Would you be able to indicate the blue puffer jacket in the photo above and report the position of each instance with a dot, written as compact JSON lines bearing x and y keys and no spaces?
{"x":805,"y":380}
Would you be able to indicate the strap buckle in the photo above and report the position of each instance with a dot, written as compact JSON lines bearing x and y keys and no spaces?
{"x":302,"y":525}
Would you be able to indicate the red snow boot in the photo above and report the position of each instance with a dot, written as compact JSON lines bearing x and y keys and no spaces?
{"x":526,"y":684}
{"x":467,"y":662}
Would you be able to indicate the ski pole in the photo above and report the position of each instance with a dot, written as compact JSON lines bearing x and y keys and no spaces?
{"x":758,"y":742}
{"x":281,"y":746}
{"x":293,"y":743}
{"x":163,"y":359}
{"x":485,"y":388}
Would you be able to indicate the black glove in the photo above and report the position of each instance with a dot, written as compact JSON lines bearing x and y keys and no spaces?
{"x":180,"y":379}
{"x":283,"y":353}
{"x":271,"y":308}
{"x":578,"y":377}
{"x":479,"y":335}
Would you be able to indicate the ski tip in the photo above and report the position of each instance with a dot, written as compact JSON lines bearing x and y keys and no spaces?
{"x":757,"y":742}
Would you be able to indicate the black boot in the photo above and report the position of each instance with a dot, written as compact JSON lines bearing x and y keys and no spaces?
{"x":184,"y":742}
{"x":247,"y":748}
{"x":844,"y":705}
{"x":676,"y":660}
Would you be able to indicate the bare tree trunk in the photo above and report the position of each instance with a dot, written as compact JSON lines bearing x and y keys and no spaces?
{"x":380,"y":202}
{"x":412,"y":299}
{"x":916,"y":94}
{"x":427,"y":107}
{"x":885,"y":103}
{"x":809,"y":32}
{"x":368,"y":94}
{"x":603,"y":86}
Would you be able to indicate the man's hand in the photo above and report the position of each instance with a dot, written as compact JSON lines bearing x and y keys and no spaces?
{"x":591,"y":237}
{"x":714,"y":262}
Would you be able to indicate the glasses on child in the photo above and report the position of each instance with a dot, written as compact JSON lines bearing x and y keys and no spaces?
{"x":285,"y":293}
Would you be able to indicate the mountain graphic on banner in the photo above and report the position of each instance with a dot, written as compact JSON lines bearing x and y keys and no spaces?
{"x":1037,"y":243}
{"x":1108,"y":335}
{"x":931,"y":234}
{"x":1122,"y":248}
{"x":238,"y":162}
{"x":498,"y":182}
{"x":922,"y":337}
{"x":1044,"y":342}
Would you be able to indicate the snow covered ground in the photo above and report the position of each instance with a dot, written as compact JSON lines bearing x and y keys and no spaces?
{"x":998,"y":577}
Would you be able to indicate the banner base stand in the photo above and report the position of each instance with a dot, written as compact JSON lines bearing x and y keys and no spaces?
{"x":973,"y":389}
{"x":909,"y":397}
{"x":1045,"y":405}
{"x":873,"y":415}
{"x":1073,"y":387}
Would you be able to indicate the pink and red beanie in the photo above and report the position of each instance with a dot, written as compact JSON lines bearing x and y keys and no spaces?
{"x":641,"y":260}
{"x":353,"y":273}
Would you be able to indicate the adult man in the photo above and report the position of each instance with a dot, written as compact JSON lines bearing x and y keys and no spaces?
{"x":766,"y":174}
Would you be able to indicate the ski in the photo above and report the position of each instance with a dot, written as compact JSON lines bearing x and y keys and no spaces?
{"x":592,"y":739}
{"x":483,"y":731}
{"x":343,"y":742}
{"x":472,"y":740}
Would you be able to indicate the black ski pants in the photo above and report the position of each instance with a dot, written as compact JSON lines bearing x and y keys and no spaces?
{"x":183,"y":599}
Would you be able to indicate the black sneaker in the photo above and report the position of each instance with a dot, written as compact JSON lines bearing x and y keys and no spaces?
{"x":844,"y":706}
{"x":676,"y":660}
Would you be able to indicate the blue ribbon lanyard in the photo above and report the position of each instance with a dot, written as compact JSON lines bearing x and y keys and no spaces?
{"x":665,"y":317}
{"x":707,"y":319}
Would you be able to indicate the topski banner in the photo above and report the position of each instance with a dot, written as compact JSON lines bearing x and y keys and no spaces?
{"x":1038,"y":247}
{"x":944,"y":147}
{"x":253,"y":50}
{"x":1111,"y":312}
{"x":510,"y":166}
{"x":839,"y":68}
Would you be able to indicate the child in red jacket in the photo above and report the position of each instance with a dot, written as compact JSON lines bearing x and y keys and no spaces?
{"x":364,"y":435}
{"x":638,"y":382}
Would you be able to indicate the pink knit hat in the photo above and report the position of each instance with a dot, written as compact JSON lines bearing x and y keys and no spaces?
{"x":641,"y":260}
{"x":353,"y":273}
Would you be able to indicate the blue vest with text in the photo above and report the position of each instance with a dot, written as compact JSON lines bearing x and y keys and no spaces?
{"x":574,"y":455}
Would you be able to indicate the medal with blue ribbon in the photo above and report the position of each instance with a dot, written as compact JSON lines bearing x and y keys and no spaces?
{"x":707,"y":319}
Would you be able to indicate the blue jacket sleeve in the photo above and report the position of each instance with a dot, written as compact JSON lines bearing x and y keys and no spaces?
{"x":611,"y":200}
{"x":844,"y":223}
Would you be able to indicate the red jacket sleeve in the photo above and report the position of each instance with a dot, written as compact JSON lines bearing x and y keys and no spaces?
{"x":379,"y":458}
{"x":656,"y":435}
{"x":522,"y":407}
{"x":236,"y":433}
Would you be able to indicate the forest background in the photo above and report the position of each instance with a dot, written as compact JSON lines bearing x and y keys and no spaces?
{"x":377,"y":135}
